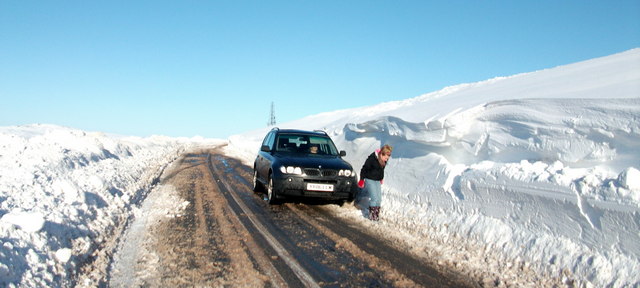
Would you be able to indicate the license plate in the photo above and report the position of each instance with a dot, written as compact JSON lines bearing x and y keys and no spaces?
{"x":320,"y":187}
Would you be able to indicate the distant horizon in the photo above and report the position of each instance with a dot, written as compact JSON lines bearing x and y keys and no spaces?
{"x":213,"y":69}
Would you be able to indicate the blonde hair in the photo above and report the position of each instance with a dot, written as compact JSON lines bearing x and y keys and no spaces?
{"x":386,"y":149}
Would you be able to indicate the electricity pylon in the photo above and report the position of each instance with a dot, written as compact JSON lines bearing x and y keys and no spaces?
{"x":272,"y":118}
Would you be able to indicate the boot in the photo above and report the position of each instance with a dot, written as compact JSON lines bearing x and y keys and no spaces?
{"x":374,"y":213}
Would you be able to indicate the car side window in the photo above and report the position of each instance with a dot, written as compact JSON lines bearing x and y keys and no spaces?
{"x":268,"y":140}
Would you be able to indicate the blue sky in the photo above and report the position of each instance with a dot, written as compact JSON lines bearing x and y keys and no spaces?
{"x":212,"y":68}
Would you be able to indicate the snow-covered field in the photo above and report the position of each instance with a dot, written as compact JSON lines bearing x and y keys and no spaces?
{"x":540,"y":169}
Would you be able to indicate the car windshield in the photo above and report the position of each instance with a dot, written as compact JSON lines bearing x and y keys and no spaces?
{"x":305,"y":144}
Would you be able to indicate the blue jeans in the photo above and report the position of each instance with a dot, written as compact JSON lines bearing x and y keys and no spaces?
{"x":374,"y":190}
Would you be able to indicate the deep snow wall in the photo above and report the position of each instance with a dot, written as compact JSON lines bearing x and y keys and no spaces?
{"x":543,"y":181}
{"x":64,"y":193}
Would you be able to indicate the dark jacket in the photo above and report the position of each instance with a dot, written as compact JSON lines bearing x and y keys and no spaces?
{"x":372,"y":168}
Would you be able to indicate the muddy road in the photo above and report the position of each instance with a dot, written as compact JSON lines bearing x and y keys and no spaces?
{"x":205,"y":227}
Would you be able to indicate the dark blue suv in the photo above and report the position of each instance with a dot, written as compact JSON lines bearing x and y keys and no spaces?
{"x":302,"y":164}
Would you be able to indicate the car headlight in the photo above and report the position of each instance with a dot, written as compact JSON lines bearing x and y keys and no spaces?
{"x":291,"y":170}
{"x":346,"y":173}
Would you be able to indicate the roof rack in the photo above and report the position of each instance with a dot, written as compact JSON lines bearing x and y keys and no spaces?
{"x":322,"y":131}
{"x":301,"y":130}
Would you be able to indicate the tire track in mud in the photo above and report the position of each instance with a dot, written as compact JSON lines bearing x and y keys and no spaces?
{"x":295,"y":267}
{"x":202,"y":247}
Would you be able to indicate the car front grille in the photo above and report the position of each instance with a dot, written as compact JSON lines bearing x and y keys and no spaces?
{"x":320,"y":172}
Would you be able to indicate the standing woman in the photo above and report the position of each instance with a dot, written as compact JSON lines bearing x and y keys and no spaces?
{"x":371,"y":177}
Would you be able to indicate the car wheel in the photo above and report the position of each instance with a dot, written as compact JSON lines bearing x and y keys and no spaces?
{"x":257,"y":187}
{"x":271,"y":194}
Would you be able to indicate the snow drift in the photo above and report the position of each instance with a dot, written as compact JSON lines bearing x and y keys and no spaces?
{"x":540,"y":168}
{"x":65,"y":193}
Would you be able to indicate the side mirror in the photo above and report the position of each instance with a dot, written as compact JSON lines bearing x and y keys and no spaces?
{"x":265,"y":148}
{"x":343,"y":153}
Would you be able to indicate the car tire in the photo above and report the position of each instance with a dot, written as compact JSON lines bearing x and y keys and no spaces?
{"x":257,"y":186}
{"x":271,"y":193}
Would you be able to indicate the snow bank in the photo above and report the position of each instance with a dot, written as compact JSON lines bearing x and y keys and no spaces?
{"x":540,"y":168}
{"x":64,"y":193}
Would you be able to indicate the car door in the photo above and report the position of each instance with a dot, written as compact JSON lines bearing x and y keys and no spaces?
{"x":263,"y":162}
